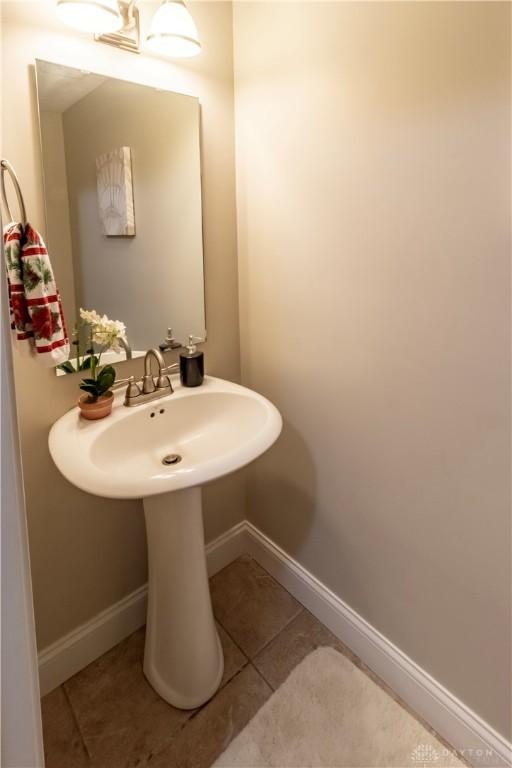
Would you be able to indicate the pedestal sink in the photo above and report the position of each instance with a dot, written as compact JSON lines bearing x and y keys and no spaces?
{"x":162,"y":452}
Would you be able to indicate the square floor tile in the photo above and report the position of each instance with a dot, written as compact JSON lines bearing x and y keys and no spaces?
{"x":63,"y":745}
{"x":121,"y":718}
{"x":294,"y":643}
{"x":210,"y":731}
{"x":250,"y":604}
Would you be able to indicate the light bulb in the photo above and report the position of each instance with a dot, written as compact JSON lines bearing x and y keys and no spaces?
{"x":91,"y":15}
{"x":173,"y":31}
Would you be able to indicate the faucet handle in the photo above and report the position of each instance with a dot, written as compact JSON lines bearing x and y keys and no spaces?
{"x":171,"y":367}
{"x":163,"y":381}
{"x":133,"y":388}
{"x":132,"y":384}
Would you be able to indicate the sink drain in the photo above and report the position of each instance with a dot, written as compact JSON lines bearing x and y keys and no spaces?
{"x":171,"y":458}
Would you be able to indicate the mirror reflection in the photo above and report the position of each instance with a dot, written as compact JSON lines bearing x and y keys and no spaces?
{"x":122,"y":180}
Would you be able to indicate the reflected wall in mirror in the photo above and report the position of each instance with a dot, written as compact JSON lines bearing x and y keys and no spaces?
{"x":122,"y":181}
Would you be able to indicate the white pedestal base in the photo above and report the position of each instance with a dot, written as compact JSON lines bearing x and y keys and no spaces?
{"x":183,"y":658}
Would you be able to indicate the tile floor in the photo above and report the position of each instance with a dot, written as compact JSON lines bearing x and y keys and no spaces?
{"x":108,"y":716}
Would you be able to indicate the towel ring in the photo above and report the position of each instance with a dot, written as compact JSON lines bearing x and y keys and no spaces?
{"x":6,"y":166}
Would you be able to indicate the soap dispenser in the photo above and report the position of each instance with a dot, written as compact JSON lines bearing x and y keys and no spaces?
{"x":169,"y":342}
{"x":192,"y":364}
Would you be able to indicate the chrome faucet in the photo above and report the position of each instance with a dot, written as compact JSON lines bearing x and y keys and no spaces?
{"x":149,"y":387}
{"x":127,"y":348}
{"x":148,"y":383}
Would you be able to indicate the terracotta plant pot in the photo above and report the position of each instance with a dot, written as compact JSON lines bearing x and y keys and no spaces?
{"x":97,"y":410}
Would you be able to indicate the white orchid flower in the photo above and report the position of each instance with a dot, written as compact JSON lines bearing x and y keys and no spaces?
{"x":104,"y":332}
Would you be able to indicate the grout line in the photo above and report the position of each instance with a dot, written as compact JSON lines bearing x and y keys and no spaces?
{"x":260,"y":674}
{"x":76,"y":721}
{"x":156,"y":753}
{"x":246,"y":657}
{"x":281,"y":586}
{"x":205,"y":705}
{"x":285,"y":626}
{"x":228,"y":633}
{"x":301,"y":609}
{"x":245,"y":662}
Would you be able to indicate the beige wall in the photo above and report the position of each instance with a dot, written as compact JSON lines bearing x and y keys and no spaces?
{"x":373,"y":198}
{"x":88,"y":552}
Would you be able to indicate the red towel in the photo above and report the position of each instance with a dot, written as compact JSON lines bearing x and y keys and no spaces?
{"x":37,"y":319}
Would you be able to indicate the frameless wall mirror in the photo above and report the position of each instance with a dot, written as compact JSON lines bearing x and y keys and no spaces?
{"x":122,"y":181}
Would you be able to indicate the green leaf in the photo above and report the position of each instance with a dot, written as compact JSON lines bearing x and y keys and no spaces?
{"x":106,"y":378}
{"x":44,"y":271}
{"x":67,"y":367}
{"x":30,"y":277}
{"x":13,"y":262}
{"x":110,"y":369}
{"x":92,"y":390}
{"x":87,"y":362}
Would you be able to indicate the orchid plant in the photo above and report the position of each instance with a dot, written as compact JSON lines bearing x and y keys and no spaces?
{"x":105,"y":334}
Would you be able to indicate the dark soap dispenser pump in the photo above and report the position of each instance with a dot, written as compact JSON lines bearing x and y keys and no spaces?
{"x":192,"y":364}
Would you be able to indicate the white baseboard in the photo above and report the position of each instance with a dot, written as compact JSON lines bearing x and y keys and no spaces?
{"x":71,"y":653}
{"x":226,"y":548}
{"x":480,"y":744}
{"x":475,"y":739}
{"x":76,"y":650}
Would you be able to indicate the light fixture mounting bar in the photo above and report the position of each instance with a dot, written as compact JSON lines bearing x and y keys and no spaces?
{"x":128,"y":37}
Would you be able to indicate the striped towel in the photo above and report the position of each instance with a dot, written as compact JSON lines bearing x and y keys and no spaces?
{"x":37,"y":319}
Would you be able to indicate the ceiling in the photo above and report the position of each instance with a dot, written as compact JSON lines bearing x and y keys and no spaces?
{"x":58,"y":87}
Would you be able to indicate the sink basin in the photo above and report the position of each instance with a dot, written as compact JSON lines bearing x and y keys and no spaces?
{"x":215,"y":429}
{"x":163,"y":452}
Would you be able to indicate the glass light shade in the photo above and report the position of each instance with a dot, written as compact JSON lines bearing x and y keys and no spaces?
{"x":91,"y":15}
{"x":173,"y":31}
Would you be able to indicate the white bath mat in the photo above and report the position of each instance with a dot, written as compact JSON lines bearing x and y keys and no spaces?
{"x":329,"y":714}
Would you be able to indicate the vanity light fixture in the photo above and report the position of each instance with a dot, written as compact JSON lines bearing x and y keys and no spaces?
{"x":172,"y":33}
{"x":91,"y":15}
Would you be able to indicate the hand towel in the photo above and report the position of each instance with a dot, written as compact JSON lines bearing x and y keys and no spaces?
{"x":37,"y":319}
